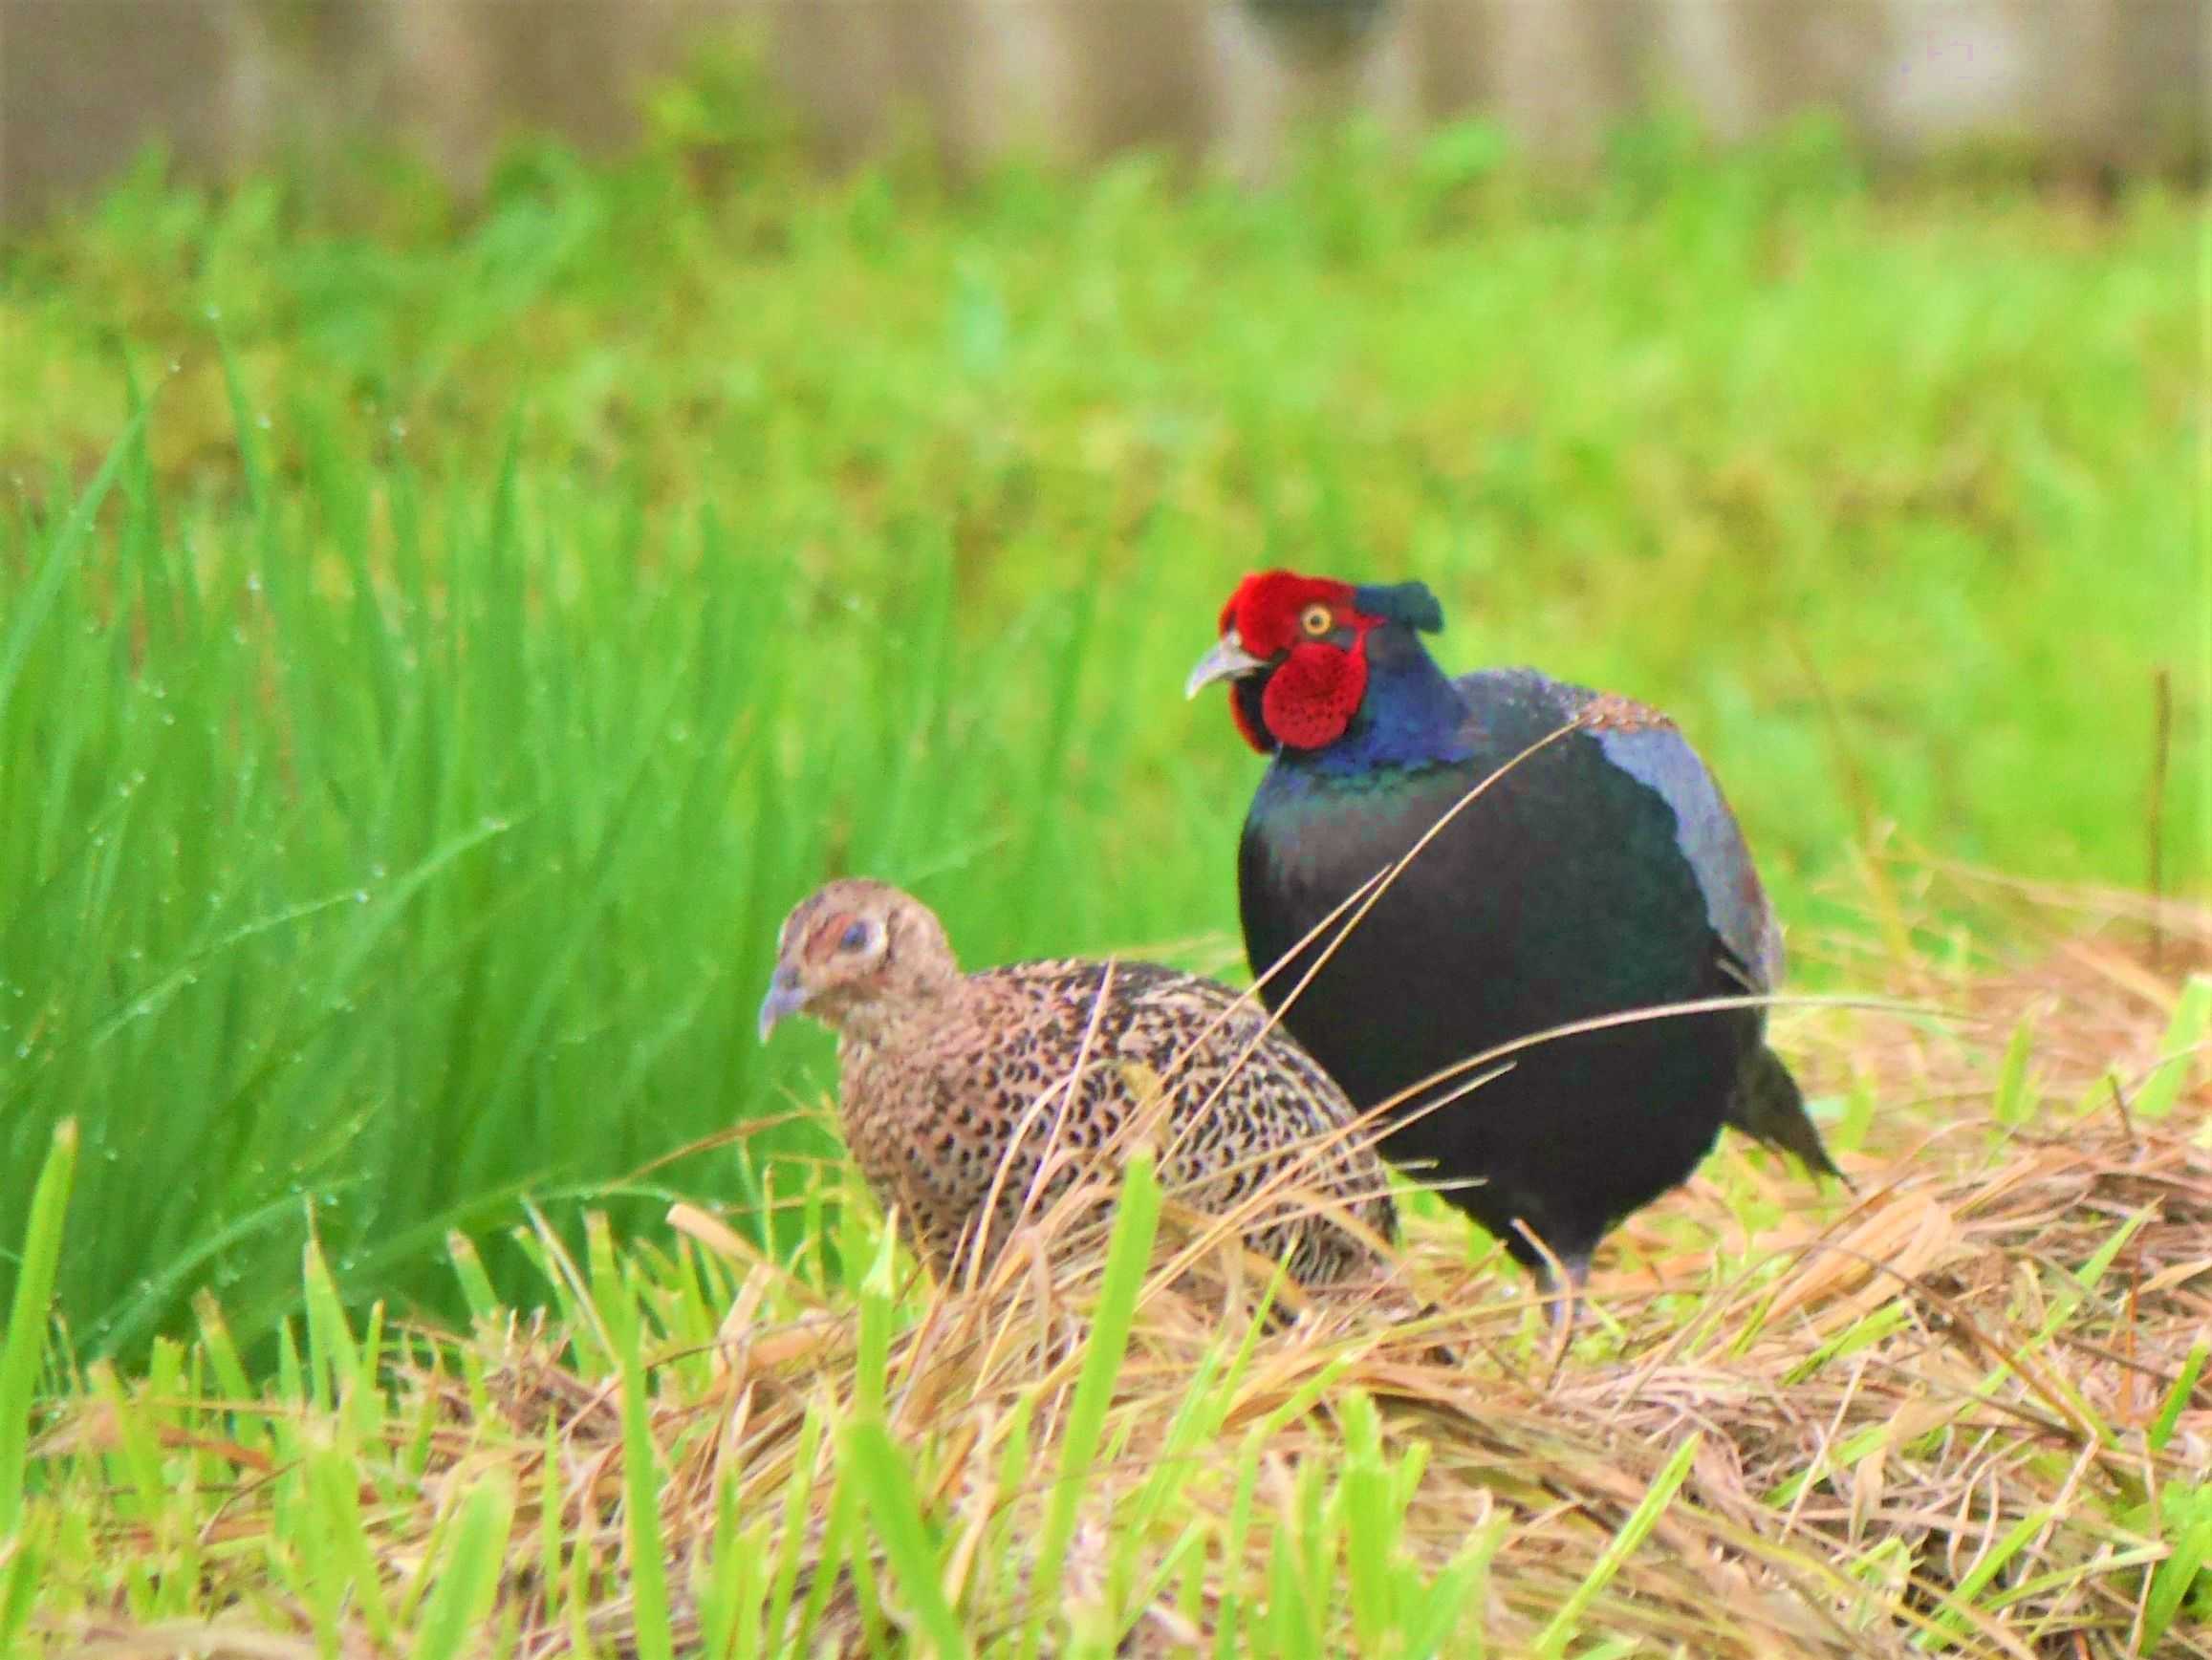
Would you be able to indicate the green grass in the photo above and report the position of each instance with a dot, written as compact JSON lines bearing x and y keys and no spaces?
{"x":437,"y":640}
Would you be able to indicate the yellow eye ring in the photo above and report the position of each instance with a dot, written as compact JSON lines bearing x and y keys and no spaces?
{"x":1316,"y":620}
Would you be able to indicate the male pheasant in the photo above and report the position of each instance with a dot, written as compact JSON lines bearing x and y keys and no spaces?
{"x":1601,"y":873}
{"x":954,"y":1087}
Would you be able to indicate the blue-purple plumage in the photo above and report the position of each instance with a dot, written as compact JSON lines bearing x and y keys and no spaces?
{"x":1648,"y":746}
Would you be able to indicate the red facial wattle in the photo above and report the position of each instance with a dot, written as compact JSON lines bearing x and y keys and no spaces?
{"x":1311,"y":696}
{"x":1246,"y":730}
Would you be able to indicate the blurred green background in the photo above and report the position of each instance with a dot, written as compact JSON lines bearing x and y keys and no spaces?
{"x":439,"y":638}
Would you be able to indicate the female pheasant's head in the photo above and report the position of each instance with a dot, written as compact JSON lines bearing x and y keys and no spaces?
{"x":855,"y":953}
{"x":1296,"y":652}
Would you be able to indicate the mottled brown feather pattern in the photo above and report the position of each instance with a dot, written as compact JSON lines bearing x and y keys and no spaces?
{"x":1611,"y":712}
{"x":942,"y":1074}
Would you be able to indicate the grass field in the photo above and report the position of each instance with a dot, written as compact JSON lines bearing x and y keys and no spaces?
{"x":437,"y":640}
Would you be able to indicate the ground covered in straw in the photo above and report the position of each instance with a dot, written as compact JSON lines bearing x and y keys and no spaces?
{"x":1964,"y":1410}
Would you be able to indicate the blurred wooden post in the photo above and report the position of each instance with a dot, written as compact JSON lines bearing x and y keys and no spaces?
{"x":1273,"y":76}
{"x":1705,"y":58}
{"x":2092,"y":85}
{"x":1547,"y":76}
{"x":1021,"y":80}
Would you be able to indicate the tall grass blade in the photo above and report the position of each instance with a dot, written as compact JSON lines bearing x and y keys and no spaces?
{"x":1957,"y":1613}
{"x":1561,"y":1627}
{"x":2014,"y":1098}
{"x":1128,"y":1254}
{"x":31,"y":609}
{"x":469,"y":1272}
{"x":642,"y":1476}
{"x":1430,"y":1630}
{"x":26,"y":1348}
{"x":2169,"y":1418}
{"x":2188,"y":1527}
{"x":878,"y":1470}
{"x":798,"y":1493}
{"x":2181,"y":1056}
{"x":467,"y":1580}
{"x":21,"y":1562}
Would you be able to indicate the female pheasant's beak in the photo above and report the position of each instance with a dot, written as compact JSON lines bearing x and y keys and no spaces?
{"x":786,"y":997}
{"x":1228,"y":661}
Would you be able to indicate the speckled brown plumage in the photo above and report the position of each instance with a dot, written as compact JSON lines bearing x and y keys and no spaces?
{"x":1611,"y":712}
{"x":943,"y":1072}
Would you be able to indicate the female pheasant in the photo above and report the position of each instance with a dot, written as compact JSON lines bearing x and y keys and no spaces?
{"x":1601,"y":873}
{"x":955,"y":1085}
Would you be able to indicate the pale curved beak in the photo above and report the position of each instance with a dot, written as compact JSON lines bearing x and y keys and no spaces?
{"x":786,"y":997}
{"x":1228,"y":661}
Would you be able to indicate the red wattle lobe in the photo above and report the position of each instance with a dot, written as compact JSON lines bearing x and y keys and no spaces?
{"x":1312,"y":697}
{"x":1258,"y":739}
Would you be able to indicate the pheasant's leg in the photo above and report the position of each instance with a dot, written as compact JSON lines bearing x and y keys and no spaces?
{"x":1563,"y":1286}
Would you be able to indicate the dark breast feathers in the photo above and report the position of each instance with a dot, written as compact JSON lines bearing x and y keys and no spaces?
{"x":1602,"y":873}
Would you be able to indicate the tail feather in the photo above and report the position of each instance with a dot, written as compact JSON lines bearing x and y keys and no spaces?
{"x":1770,"y":1108}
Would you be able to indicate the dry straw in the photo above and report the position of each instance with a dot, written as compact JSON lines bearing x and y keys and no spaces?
{"x":1964,"y":1412}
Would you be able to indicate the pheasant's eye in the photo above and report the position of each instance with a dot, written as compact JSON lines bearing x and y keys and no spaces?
{"x":855,"y":938}
{"x":1316,"y":620}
